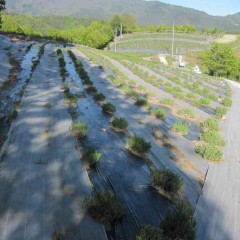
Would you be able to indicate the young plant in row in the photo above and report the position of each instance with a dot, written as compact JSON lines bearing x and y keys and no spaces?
{"x":186,"y":112}
{"x":209,"y":151}
{"x":99,"y":97}
{"x":181,"y":128}
{"x":119,"y":124}
{"x":212,"y":137}
{"x":142,"y":102}
{"x":159,"y":113}
{"x":210,"y":124}
{"x":220,"y":112}
{"x":92,"y":156}
{"x":138,"y":144}
{"x":167,"y":181}
{"x":79,"y":129}
{"x":227,"y":102}
{"x":108,"y":108}
{"x":167,"y":102}
{"x":105,"y":207}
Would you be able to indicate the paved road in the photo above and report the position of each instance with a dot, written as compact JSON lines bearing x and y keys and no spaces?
{"x":42,"y":180}
{"x":218,"y":210}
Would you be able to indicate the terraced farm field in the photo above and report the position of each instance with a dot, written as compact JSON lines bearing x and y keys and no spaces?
{"x":162,"y":43}
{"x":72,"y":120}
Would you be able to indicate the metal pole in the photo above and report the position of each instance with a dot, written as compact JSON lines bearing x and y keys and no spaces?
{"x":173,"y":38}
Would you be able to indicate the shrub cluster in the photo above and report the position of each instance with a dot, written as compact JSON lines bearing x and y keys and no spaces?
{"x":159,"y":113}
{"x":108,"y":108}
{"x":92,"y":156}
{"x":142,"y":102}
{"x":181,"y":128}
{"x":167,"y":101}
{"x":186,"y":112}
{"x":212,"y":137}
{"x":227,"y":102}
{"x":167,"y":181}
{"x":79,"y":129}
{"x":210,"y":124}
{"x":99,"y":97}
{"x":105,"y":207}
{"x":220,"y":112}
{"x":120,"y":123}
{"x":138,"y":144}
{"x":209,"y":151}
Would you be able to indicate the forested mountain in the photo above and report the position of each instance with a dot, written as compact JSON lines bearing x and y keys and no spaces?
{"x":146,"y":12}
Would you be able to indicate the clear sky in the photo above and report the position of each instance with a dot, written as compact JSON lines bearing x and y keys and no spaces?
{"x":213,"y":7}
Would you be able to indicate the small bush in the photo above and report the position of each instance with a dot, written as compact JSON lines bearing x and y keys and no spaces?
{"x":220,"y":112}
{"x":108,"y":108}
{"x":148,"y":232}
{"x":167,"y":181}
{"x":212,"y":137}
{"x":209,"y":151}
{"x":120,"y":123}
{"x":79,"y":129}
{"x":210,"y":124}
{"x":227,"y":102}
{"x":178,"y":95}
{"x":159,"y":113}
{"x":179,"y":224}
{"x":92,"y":156}
{"x":186,"y":112}
{"x":131,"y":93}
{"x":204,"y":101}
{"x":141,"y":88}
{"x":91,"y":89}
{"x":138,"y":144}
{"x":105,"y":208}
{"x":181,"y":128}
{"x":70,"y":98}
{"x":99,"y":97}
{"x":167,"y":101}
{"x":142,"y":102}
{"x":191,"y":96}
{"x":58,"y":236}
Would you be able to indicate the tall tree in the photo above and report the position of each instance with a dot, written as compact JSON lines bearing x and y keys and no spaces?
{"x":129,"y":23}
{"x":2,"y":7}
{"x":221,"y":61}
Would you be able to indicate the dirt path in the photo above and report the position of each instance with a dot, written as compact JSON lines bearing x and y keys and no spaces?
{"x":43,"y":182}
{"x":218,"y":210}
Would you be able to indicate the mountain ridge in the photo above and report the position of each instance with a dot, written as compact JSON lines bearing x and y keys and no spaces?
{"x":146,"y":12}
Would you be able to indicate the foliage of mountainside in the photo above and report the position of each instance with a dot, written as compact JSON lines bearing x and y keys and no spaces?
{"x":146,"y":12}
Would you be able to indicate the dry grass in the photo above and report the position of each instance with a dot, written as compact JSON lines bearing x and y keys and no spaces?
{"x":228,"y":38}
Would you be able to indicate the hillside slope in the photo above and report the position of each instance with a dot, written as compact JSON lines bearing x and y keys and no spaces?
{"x":151,"y":12}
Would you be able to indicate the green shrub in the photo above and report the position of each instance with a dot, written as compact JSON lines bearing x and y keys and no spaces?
{"x":212,"y":137}
{"x":138,"y":144}
{"x":141,"y":88}
{"x":210,"y":124}
{"x":148,"y":232}
{"x":149,"y":94}
{"x":132,"y":83}
{"x":58,"y":236}
{"x":186,"y":112}
{"x":191,"y":96}
{"x":105,"y":207}
{"x":69,"y":97}
{"x":209,"y":151}
{"x":99,"y":97}
{"x":177,"y":89}
{"x":181,"y":128}
{"x":220,"y":112}
{"x":91,"y":89}
{"x":227,"y":102}
{"x":108,"y":108}
{"x":92,"y":156}
{"x":169,"y":90}
{"x":167,"y":101}
{"x":204,"y":101}
{"x":142,"y":102}
{"x":167,"y":181}
{"x":211,"y":96}
{"x":79,"y":129}
{"x":159,"y":113}
{"x":131,"y":93}
{"x":178,"y":95}
{"x":120,"y":123}
{"x":168,"y":85}
{"x":179,"y":224}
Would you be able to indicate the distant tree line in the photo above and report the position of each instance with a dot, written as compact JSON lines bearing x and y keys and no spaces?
{"x":2,"y":7}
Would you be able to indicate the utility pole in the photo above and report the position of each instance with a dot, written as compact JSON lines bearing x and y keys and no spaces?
{"x":116,"y":31}
{"x":173,"y":35}
{"x":121,"y":30}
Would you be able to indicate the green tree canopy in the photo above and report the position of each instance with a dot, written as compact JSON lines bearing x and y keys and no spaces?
{"x":2,"y":7}
{"x":221,"y":61}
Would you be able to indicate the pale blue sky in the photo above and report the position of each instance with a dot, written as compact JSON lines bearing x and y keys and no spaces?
{"x":213,"y":7}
